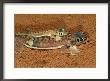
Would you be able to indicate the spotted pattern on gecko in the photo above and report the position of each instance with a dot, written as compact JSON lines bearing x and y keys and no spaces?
{"x":55,"y":39}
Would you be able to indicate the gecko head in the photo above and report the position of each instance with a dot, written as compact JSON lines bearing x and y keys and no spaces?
{"x":80,"y":37}
{"x":61,"y":32}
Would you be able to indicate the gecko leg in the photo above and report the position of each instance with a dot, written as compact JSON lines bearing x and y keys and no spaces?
{"x":73,"y":50}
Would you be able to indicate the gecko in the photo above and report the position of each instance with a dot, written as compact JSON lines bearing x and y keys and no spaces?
{"x":55,"y":39}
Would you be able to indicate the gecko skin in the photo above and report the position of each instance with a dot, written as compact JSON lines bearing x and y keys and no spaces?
{"x":55,"y":39}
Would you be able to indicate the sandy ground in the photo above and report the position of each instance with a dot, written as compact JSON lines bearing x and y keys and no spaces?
{"x":29,"y":58}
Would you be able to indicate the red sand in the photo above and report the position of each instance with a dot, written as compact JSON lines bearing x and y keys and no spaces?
{"x":29,"y":58}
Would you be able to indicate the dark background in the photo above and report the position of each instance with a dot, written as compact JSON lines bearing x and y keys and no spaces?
{"x":56,"y":1}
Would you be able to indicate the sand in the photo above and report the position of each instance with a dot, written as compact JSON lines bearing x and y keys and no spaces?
{"x":30,"y":58}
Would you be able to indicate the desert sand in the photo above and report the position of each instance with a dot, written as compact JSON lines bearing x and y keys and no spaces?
{"x":30,"y":58}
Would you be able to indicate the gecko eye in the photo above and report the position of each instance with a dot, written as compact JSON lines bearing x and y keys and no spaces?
{"x":61,"y":34}
{"x":78,"y":39}
{"x":80,"y":36}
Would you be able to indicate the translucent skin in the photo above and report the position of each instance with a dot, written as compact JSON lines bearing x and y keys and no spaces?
{"x":47,"y":41}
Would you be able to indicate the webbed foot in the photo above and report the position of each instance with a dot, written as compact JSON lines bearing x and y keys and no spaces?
{"x":73,"y":50}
